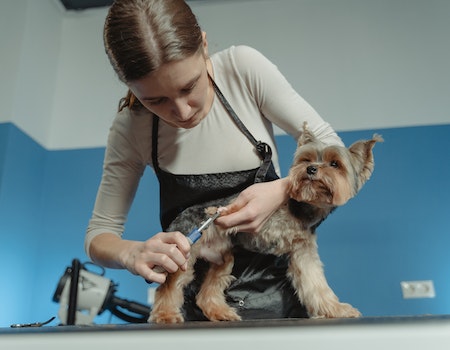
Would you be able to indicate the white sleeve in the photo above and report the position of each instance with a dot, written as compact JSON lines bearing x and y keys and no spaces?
{"x":277,"y":99}
{"x":123,"y":167}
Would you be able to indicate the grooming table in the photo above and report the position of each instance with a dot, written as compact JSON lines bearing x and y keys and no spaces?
{"x":417,"y":332}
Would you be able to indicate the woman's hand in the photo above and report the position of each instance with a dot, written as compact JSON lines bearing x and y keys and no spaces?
{"x":250,"y":210}
{"x":170,"y":250}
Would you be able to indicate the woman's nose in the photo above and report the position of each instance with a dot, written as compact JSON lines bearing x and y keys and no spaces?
{"x":182,"y":109}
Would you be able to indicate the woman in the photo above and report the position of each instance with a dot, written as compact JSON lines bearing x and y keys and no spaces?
{"x":175,"y":120}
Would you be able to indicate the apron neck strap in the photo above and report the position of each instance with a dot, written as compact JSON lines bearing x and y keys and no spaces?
{"x":263,"y":149}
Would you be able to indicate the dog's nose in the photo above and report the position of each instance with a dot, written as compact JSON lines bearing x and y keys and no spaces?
{"x":311,"y":170}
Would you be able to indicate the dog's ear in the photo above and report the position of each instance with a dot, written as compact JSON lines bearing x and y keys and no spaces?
{"x":306,"y":137}
{"x":362,"y":158}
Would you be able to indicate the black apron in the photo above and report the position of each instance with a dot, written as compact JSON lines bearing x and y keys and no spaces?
{"x":261,"y":289}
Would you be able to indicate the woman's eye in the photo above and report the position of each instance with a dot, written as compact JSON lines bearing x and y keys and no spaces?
{"x":188,"y":89}
{"x":156,"y":102}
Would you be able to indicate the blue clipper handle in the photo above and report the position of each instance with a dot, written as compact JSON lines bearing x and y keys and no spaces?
{"x":194,"y":236}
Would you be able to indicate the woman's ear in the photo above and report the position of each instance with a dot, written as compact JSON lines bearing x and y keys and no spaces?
{"x":205,"y":44}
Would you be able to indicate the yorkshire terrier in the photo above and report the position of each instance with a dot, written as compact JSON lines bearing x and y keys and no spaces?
{"x":321,"y":178}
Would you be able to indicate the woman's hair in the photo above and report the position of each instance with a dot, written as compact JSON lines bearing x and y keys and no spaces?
{"x":142,"y":35}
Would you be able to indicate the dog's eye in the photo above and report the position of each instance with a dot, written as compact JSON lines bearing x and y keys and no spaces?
{"x":334,"y":164}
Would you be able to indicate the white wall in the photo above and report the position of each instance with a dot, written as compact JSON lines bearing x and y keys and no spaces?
{"x":30,"y":34}
{"x":12,"y":26}
{"x":87,"y":90}
{"x":362,"y":64}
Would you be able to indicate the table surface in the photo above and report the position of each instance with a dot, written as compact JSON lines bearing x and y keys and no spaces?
{"x":410,"y":332}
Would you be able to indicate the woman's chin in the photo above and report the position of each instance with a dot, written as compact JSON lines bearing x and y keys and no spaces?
{"x":191,"y":122}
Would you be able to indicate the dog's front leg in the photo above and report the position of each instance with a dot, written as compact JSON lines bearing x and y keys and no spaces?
{"x":308,"y":278}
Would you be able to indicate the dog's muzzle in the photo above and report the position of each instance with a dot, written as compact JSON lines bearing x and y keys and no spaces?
{"x":312,"y":170}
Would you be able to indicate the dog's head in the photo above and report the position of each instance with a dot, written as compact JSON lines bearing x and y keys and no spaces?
{"x":328,"y":176}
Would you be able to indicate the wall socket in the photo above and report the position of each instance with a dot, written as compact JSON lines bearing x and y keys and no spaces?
{"x":417,"y":289}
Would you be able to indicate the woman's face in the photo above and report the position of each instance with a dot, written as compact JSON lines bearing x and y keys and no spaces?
{"x":178,"y":92}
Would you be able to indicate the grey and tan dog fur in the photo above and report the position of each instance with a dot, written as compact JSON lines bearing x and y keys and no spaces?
{"x":321,"y":178}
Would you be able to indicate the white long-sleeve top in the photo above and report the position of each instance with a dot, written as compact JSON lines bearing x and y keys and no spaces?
{"x":261,"y":97}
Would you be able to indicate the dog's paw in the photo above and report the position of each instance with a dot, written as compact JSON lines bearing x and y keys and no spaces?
{"x":210,"y":211}
{"x":214,"y":306}
{"x":347,"y":311}
{"x":338,"y":310}
{"x":166,"y":317}
{"x":217,"y":314}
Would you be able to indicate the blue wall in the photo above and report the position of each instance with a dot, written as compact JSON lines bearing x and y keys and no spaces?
{"x":21,"y":176}
{"x":396,"y":229}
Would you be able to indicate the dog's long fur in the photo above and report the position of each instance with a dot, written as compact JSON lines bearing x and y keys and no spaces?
{"x":321,"y":178}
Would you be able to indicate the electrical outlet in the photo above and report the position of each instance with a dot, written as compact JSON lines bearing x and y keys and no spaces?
{"x":417,"y":289}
